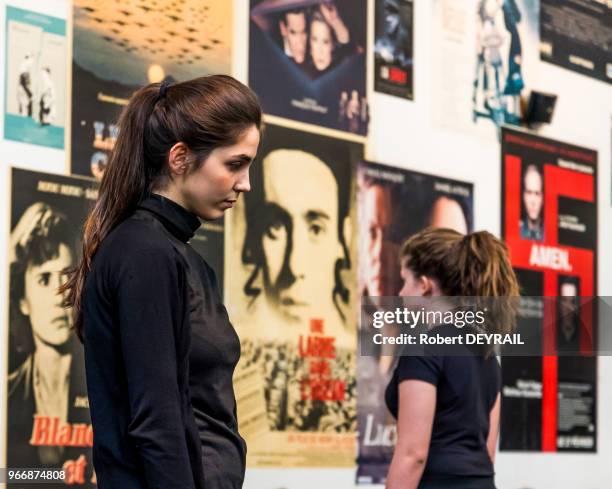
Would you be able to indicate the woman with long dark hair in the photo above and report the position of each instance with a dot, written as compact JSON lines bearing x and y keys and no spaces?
{"x":447,"y":407}
{"x":159,"y":348}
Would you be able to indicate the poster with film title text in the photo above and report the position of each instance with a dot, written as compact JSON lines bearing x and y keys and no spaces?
{"x":291,"y":296}
{"x":393,"y":48}
{"x":307,"y":61}
{"x":577,"y":36}
{"x":393,"y":204}
{"x":549,"y":223}
{"x":116,"y":51}
{"x":47,"y":414}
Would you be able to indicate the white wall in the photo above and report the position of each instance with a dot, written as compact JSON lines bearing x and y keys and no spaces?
{"x":402,"y":133}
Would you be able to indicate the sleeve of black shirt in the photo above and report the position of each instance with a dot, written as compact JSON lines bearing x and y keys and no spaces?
{"x":426,"y":368}
{"x":151,"y":302}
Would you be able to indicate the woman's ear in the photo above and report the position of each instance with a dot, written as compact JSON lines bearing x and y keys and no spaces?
{"x":178,"y":159}
{"x":427,"y":285}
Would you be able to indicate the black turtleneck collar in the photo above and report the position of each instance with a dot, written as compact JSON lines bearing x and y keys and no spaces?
{"x":178,"y":220}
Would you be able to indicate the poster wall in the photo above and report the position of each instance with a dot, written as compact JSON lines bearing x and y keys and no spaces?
{"x":393,"y":205}
{"x":48,"y":410}
{"x":576,"y":36}
{"x":307,"y":61}
{"x":549,"y":222}
{"x":393,"y":48}
{"x":35,"y":71}
{"x":485,"y":59}
{"x":291,"y":250}
{"x":118,"y":50}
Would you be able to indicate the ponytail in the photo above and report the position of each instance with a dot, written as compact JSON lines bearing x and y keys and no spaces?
{"x":476,"y":265}
{"x":204,"y":113}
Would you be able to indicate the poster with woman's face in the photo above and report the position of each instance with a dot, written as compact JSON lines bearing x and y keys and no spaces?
{"x":307,"y":61}
{"x":48,"y":410}
{"x":291,"y":297}
{"x":117,"y":50}
{"x":393,"y":204}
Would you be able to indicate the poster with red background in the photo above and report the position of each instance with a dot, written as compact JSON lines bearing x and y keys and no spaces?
{"x":549,"y":222}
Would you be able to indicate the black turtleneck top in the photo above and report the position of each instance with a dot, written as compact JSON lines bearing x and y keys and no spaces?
{"x":160,"y":353}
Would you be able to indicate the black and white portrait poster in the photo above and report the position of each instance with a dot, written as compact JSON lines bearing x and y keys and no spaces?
{"x":393,"y":204}
{"x":307,"y":61}
{"x":48,"y":410}
{"x":393,"y":48}
{"x":291,"y":297}
{"x":577,"y":34}
{"x":549,"y":222}
{"x":117,"y":49}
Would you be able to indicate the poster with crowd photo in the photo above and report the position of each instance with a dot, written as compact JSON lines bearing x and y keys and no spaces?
{"x":486,"y":57}
{"x":47,"y":418}
{"x":393,"y":48}
{"x":576,"y":35}
{"x":393,"y":204}
{"x":549,"y":222}
{"x":117,"y":49}
{"x":307,"y":61}
{"x":35,"y":78}
{"x":291,"y":297}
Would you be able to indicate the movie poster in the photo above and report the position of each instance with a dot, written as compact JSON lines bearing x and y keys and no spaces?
{"x":291,"y":298}
{"x":117,"y":50}
{"x":393,"y":48}
{"x":307,"y":61}
{"x":48,"y":409}
{"x":549,"y":222}
{"x":576,"y":35}
{"x":35,"y":78}
{"x":393,"y":204}
{"x":485,"y":60}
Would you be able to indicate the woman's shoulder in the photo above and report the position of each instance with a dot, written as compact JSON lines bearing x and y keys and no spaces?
{"x":134,"y":241}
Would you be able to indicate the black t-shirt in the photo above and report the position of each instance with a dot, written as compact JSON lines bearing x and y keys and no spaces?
{"x":466,"y":390}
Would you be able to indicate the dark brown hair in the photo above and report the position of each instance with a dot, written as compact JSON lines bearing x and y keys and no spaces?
{"x":476,"y":265}
{"x":204,"y":113}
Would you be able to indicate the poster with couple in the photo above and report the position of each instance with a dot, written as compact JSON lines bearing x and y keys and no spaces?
{"x":307,"y":61}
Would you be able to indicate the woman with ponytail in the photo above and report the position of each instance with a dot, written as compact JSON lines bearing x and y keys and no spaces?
{"x":159,"y":348}
{"x":447,"y":407}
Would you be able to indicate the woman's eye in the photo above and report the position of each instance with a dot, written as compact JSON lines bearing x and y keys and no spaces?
{"x":235,"y":165}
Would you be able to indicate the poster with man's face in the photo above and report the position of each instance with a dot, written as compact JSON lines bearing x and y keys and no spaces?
{"x":291,"y":298}
{"x":549,"y":222}
{"x":307,"y":61}
{"x":393,"y":204}
{"x":48,"y":410}
{"x":118,"y":50}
